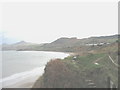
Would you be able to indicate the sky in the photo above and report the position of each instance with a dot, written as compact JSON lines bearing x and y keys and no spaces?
{"x":44,"y":22}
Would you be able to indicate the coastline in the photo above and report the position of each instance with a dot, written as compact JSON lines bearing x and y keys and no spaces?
{"x":26,"y":83}
{"x":22,"y":80}
{"x":26,"y":80}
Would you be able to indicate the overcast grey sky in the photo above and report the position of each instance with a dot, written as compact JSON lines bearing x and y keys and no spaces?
{"x":45,"y":22}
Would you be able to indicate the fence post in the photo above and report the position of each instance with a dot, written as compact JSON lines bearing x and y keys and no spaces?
{"x":114,"y":87}
{"x":108,"y":82}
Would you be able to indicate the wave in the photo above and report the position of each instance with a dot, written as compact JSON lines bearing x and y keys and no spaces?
{"x":16,"y":78}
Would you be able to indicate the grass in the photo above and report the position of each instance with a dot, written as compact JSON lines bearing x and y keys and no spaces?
{"x":110,"y":69}
{"x":84,"y":68}
{"x":86,"y":65}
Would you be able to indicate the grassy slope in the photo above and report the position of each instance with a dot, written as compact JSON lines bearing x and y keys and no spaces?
{"x":83,"y":68}
{"x":86,"y":65}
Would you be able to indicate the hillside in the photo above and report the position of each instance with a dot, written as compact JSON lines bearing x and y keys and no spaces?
{"x":75,"y":45}
{"x":88,"y":70}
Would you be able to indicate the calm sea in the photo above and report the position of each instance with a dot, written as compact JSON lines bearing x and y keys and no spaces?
{"x":21,"y":64}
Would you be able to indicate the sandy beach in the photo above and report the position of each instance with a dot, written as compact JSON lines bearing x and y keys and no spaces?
{"x":27,"y":83}
{"x":25,"y":80}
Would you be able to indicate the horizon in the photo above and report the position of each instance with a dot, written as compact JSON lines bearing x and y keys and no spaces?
{"x":14,"y":42}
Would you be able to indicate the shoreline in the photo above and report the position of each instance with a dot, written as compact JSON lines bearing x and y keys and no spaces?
{"x":41,"y":51}
{"x":23,"y":80}
{"x":26,"y":81}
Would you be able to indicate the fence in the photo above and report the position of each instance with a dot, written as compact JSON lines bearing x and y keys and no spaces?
{"x":110,"y":84}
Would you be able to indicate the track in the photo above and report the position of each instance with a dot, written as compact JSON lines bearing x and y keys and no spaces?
{"x":113,"y":61}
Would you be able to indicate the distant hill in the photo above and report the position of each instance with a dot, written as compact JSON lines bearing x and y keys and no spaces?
{"x":62,"y":44}
{"x":64,"y":40}
{"x":70,"y":44}
{"x":22,"y":45}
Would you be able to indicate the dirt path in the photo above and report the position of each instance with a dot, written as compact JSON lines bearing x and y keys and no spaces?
{"x":113,"y":61}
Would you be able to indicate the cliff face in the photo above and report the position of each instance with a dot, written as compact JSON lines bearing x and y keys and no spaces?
{"x":59,"y":75}
{"x":56,"y":75}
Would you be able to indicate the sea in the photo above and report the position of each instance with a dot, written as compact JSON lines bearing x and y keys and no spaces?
{"x":19,"y":65}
